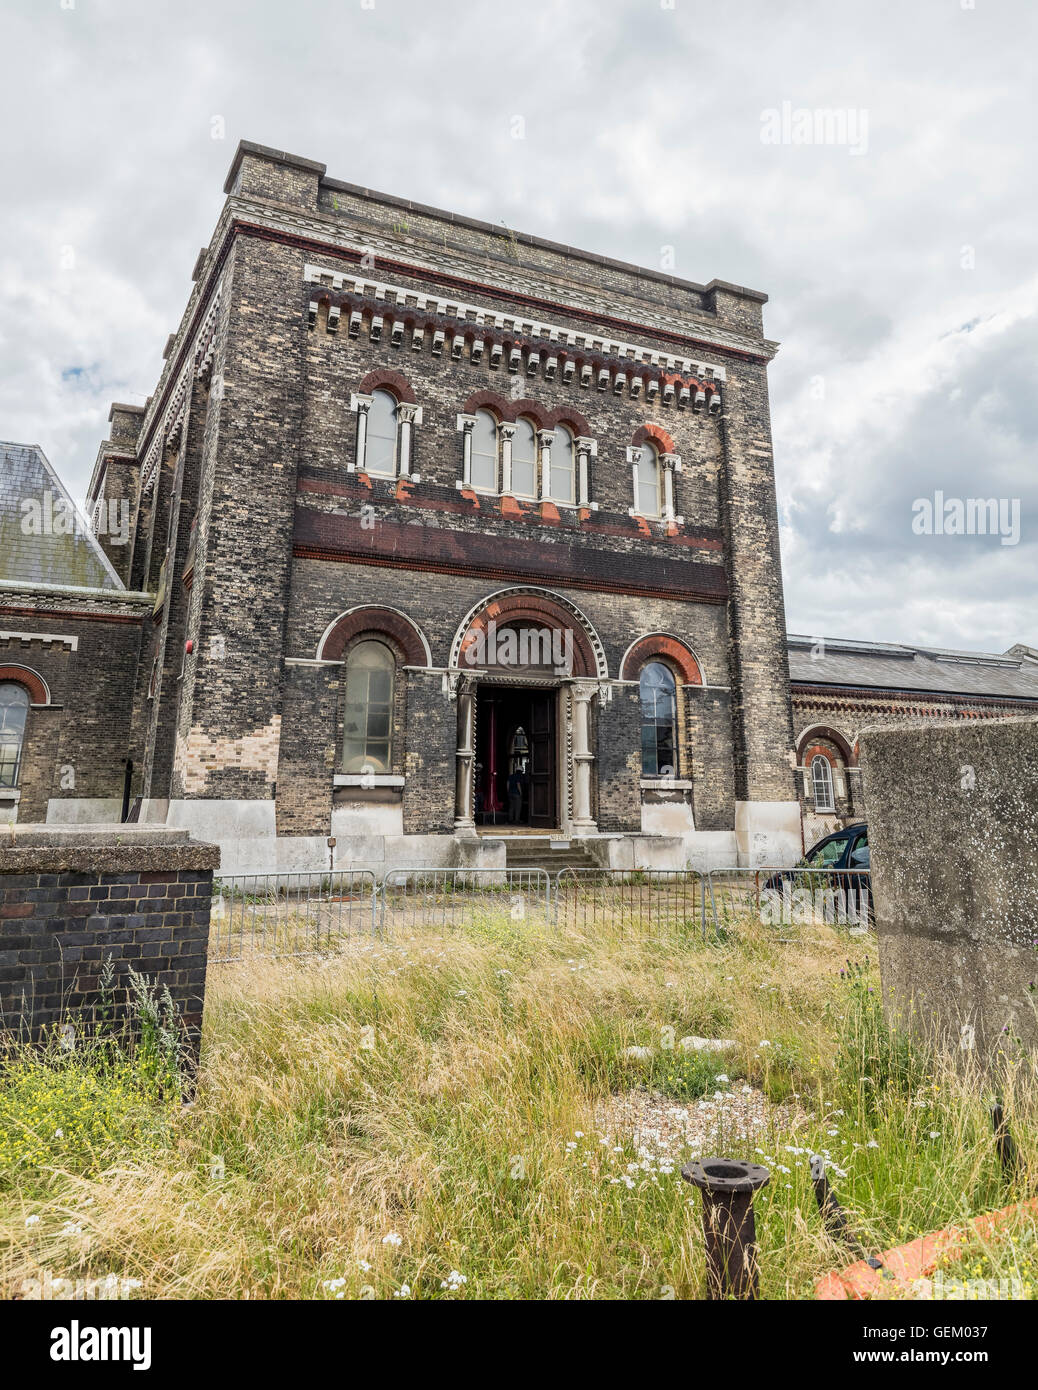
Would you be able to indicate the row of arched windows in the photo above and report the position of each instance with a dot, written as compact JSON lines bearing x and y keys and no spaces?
{"x":507,"y":459}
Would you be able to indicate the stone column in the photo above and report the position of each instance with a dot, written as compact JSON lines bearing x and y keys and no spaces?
{"x":464,"y":822}
{"x":581,"y":695}
{"x":507,"y":432}
{"x":634,"y":455}
{"x":406,"y":415}
{"x":586,"y":450}
{"x":668,"y":462}
{"x":545,"y":439}
{"x":466,"y":423}
{"x":362,"y":404}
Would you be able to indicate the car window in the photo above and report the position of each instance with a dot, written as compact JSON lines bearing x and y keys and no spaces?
{"x":859,"y":858}
{"x":826,"y":854}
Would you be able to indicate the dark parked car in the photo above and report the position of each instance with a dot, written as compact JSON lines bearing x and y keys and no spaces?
{"x":844,"y":850}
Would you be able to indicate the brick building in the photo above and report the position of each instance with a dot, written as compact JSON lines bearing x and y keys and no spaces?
{"x":838,"y":687}
{"x":438,"y":533}
{"x":70,"y":637}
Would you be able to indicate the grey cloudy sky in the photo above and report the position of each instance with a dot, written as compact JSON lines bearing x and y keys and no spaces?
{"x":903,"y":277}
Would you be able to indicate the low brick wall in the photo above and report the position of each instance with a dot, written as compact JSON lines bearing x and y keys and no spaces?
{"x":953,"y":821}
{"x":69,"y":899}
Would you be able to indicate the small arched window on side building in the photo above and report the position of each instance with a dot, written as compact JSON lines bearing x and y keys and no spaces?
{"x":367,"y":739}
{"x":658,"y":691}
{"x":14,"y":710}
{"x":822,"y":783}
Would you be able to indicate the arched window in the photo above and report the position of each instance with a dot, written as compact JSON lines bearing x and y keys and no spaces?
{"x":822,"y":783}
{"x":380,"y":446}
{"x":484,"y":452}
{"x":14,"y":708}
{"x":524,"y":459}
{"x":367,"y":743}
{"x":563,"y":460}
{"x":647,"y":482}
{"x":659,"y":719}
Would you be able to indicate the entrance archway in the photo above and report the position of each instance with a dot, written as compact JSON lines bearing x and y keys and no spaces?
{"x":528,"y":664}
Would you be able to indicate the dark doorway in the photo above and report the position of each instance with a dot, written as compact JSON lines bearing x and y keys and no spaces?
{"x":515,"y":758}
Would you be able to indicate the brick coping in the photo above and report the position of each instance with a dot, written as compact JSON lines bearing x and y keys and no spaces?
{"x":103,"y":849}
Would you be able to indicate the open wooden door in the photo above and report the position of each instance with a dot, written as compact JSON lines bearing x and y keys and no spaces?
{"x":542,"y":760}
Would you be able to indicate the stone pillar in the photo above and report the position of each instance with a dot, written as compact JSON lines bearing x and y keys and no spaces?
{"x":464,"y":823}
{"x":668,"y":463}
{"x":634,"y":455}
{"x":362,"y":404}
{"x":507,"y":431}
{"x":406,"y":415}
{"x":466,"y":423}
{"x":545,"y":439}
{"x":581,"y":695}
{"x":586,"y":449}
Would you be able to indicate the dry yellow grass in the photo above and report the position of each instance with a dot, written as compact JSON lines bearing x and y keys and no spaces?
{"x":367,"y":1123}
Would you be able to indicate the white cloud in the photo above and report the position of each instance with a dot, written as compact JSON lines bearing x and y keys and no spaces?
{"x":642,"y":130}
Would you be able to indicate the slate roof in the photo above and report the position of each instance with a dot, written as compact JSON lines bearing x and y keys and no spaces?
{"x":73,"y":560}
{"x":892,"y":666}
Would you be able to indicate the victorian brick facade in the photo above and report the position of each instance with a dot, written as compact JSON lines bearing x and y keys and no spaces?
{"x":386,"y":439}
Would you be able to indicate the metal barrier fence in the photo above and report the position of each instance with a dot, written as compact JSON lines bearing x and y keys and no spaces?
{"x":445,"y":898}
{"x":653,"y":902}
{"x":302,"y":913}
{"x":791,"y":898}
{"x":290,"y":914}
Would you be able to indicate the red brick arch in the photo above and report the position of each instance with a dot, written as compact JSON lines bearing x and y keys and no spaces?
{"x":833,"y":736}
{"x":539,"y":611}
{"x":33,"y":683}
{"x":657,"y":435}
{"x":661,"y":644}
{"x":374,"y":621}
{"x":817,"y":751}
{"x":509,"y":411}
{"x":386,"y":380}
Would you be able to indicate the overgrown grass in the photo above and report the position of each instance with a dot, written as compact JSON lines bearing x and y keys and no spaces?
{"x":368,"y":1123}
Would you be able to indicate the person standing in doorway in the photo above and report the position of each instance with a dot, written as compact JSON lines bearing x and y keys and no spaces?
{"x":516,"y":779}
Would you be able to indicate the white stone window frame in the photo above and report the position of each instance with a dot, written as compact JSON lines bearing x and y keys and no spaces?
{"x":408,"y":416}
{"x":826,"y":806}
{"x":585,"y":448}
{"x":465,"y":426}
{"x":668,"y":465}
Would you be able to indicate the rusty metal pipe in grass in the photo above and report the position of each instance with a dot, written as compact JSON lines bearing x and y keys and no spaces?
{"x":834,"y":1218}
{"x":1005,"y":1144}
{"x":729,"y":1227}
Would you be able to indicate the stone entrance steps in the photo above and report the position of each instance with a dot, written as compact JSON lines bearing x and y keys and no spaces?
{"x":529,"y":852}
